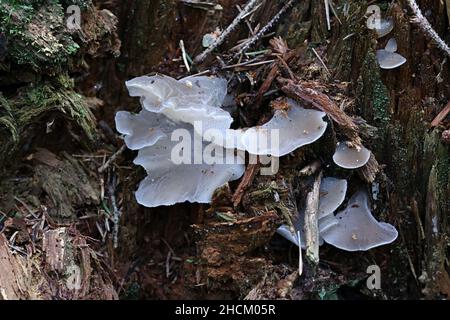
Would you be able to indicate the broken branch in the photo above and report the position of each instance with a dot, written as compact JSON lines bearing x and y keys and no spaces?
{"x":312,"y":221}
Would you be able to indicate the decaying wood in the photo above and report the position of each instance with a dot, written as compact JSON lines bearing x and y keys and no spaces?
{"x":264,"y":29}
{"x":226,"y":247}
{"x":426,"y":27}
{"x":273,"y":73}
{"x":370,"y":170}
{"x":12,"y":275}
{"x":65,"y":182}
{"x":230,"y":252}
{"x":312,"y":221}
{"x":246,"y":181}
{"x":237,"y":237}
{"x":56,"y":246}
{"x":434,"y":275}
{"x":112,"y":159}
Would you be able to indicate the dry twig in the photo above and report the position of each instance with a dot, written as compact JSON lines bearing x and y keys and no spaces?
{"x":112,"y":159}
{"x":248,"y":7}
{"x":116,"y":211}
{"x":246,"y":181}
{"x":264,"y":30}
{"x":426,"y":27}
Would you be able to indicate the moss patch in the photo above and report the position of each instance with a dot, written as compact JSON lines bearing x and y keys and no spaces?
{"x":32,"y":103}
{"x":36,"y":33}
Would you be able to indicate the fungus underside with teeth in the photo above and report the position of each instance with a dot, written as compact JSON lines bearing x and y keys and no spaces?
{"x":285,"y":132}
{"x":186,"y":100}
{"x":168,"y":105}
{"x":143,"y":129}
{"x":350,"y":158}
{"x":194,"y":103}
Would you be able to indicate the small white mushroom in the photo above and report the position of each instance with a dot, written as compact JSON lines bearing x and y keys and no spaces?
{"x":391,"y":45}
{"x":357,"y":229}
{"x":388,"y":58}
{"x":286,"y":131}
{"x":350,"y":158}
{"x":286,"y":233}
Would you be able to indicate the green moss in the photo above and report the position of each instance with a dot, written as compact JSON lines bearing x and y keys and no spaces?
{"x":37,"y":34}
{"x":375,"y":92}
{"x":58,"y":95}
{"x":35,"y":101}
{"x":437,"y":156}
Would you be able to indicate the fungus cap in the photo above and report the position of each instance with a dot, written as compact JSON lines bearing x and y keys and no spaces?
{"x":385,"y":27}
{"x":357,"y":229}
{"x":389,"y":60}
{"x":168,"y":182}
{"x":332,"y":194}
{"x":391,"y":45}
{"x":143,"y":129}
{"x":286,"y":233}
{"x":152,"y":90}
{"x":350,"y":158}
{"x":286,"y":131}
{"x":180,"y":183}
{"x":179,"y":98}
